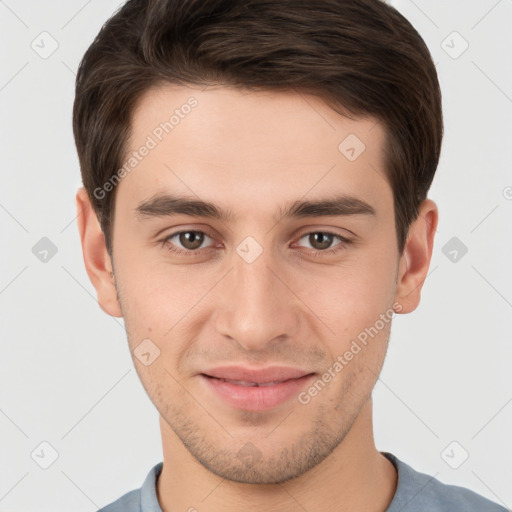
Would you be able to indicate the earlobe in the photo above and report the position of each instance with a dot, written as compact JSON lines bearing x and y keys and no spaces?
{"x":415,"y":259}
{"x":96,"y":258}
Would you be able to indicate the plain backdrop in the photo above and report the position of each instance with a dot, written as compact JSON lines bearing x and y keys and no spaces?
{"x":69,"y":395}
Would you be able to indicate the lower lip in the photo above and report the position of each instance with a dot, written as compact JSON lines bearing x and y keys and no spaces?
{"x":257,"y":398}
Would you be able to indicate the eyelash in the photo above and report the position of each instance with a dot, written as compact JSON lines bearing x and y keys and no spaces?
{"x":317,"y":252}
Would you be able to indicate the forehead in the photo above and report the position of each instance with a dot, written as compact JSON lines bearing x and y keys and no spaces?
{"x":255,"y":147}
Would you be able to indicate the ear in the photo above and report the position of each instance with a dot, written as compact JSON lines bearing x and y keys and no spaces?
{"x":96,"y":258}
{"x":415,"y":259}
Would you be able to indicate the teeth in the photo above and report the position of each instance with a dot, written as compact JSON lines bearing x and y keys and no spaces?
{"x":250,"y":384}
{"x":241,"y":382}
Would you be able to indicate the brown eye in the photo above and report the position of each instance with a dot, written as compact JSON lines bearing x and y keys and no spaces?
{"x":186,"y":242}
{"x":320,"y":240}
{"x":324,"y":242}
{"x":191,"y":240}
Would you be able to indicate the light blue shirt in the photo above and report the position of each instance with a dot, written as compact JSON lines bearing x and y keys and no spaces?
{"x":415,"y":492}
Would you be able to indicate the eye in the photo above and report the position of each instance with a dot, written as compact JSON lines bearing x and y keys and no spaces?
{"x":186,"y":242}
{"x":322,"y":241}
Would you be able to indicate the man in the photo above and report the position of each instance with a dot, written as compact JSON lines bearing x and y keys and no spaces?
{"x":255,"y":208}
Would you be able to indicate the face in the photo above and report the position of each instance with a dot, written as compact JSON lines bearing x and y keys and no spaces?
{"x":255,"y":288}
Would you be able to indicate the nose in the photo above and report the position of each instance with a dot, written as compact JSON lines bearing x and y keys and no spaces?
{"x":257,"y":305}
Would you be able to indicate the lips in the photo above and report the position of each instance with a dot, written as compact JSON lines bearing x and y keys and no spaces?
{"x":244,"y":376}
{"x":255,"y":389}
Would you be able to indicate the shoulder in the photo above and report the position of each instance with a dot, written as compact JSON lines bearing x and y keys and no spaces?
{"x":130,"y":502}
{"x":418,"y":492}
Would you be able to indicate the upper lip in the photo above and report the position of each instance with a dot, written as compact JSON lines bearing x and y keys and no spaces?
{"x":257,"y":375}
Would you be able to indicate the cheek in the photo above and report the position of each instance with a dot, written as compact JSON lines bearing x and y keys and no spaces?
{"x":354,"y":292}
{"x":148,"y":286}
{"x":163,"y":303}
{"x":355,"y":300}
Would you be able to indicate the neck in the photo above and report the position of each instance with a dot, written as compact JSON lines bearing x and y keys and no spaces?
{"x":355,"y":476}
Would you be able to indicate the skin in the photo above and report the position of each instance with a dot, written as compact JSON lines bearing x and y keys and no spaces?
{"x":252,"y":153}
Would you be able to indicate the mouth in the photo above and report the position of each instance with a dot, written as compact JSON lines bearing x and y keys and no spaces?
{"x":255,"y":389}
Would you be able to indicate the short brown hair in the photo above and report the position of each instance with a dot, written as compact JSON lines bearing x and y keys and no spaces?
{"x":362,"y":57}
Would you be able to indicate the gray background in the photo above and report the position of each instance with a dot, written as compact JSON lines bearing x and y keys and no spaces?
{"x":66,"y":376}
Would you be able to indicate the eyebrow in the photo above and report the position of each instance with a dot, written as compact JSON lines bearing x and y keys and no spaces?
{"x":165,"y":205}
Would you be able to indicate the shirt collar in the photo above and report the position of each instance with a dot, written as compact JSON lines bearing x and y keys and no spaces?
{"x":148,"y":496}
